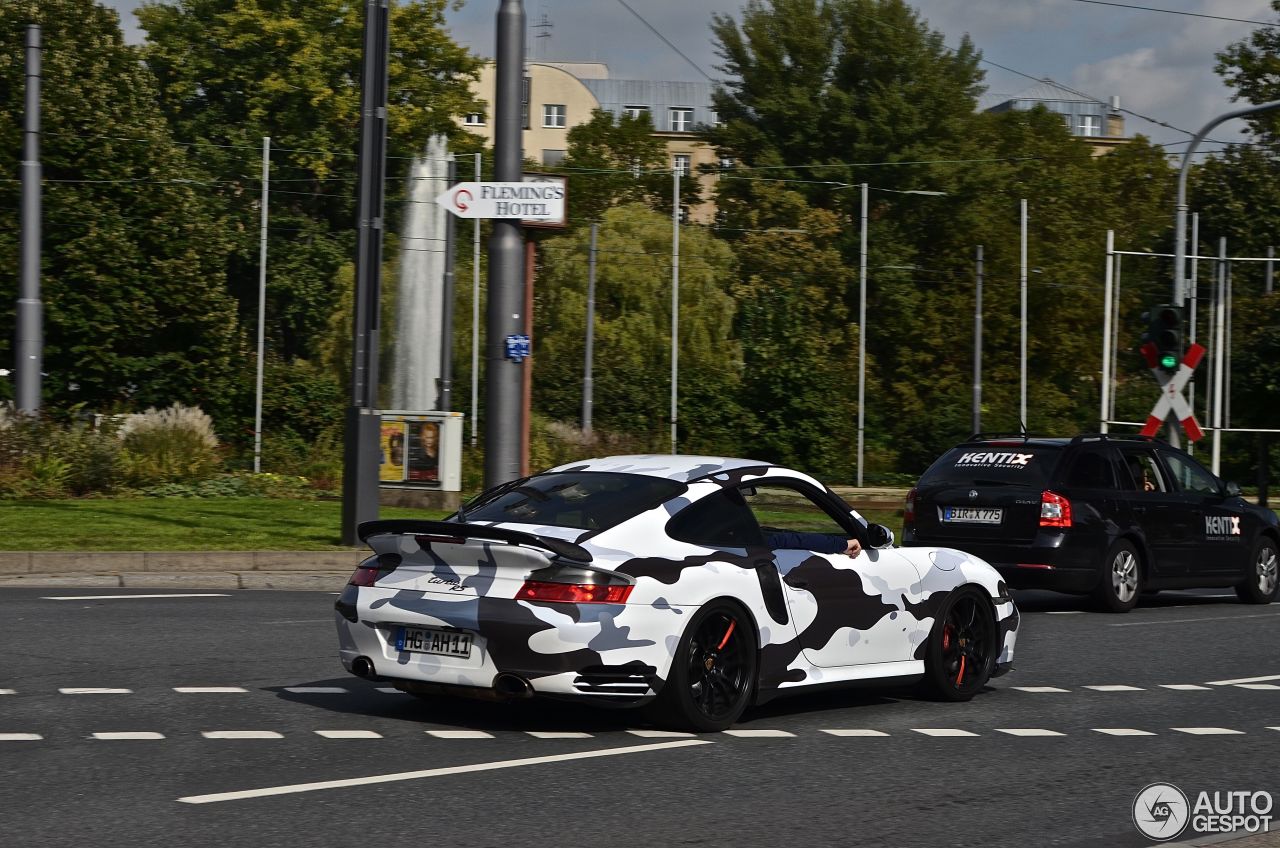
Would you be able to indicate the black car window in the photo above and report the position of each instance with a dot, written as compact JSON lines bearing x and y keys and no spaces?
{"x":584,"y":500}
{"x":1091,"y":469}
{"x":1145,"y":472}
{"x":720,"y":520}
{"x":1190,"y":475}
{"x":994,"y":463}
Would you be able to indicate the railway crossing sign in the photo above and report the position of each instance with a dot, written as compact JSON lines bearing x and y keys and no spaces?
{"x":1171,"y":386}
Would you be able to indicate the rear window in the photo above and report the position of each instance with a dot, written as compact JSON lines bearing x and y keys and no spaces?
{"x":994,"y":465}
{"x":581,"y":500}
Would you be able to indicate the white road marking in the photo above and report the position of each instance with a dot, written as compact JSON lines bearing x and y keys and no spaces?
{"x":209,"y":690}
{"x":7,"y":692}
{"x":129,"y":734}
{"x":1116,"y":688}
{"x":316,"y":690}
{"x":20,"y":737}
{"x":758,"y":734}
{"x":1122,"y":731}
{"x":300,"y":621}
{"x":1244,"y":680}
{"x":1193,"y":620}
{"x":129,"y":597}
{"x":241,"y":734}
{"x":1273,"y":728}
{"x":659,"y":734}
{"x":855,"y":732}
{"x":437,"y":772}
{"x":1039,"y":689}
{"x":459,"y":734}
{"x":1028,"y":731}
{"x":942,"y":731}
{"x":1064,"y":612}
{"x":93,"y":691}
{"x":1184,"y":687}
{"x":1209,"y":731}
{"x":348,"y":734}
{"x":1271,"y":686}
{"x":557,"y":734}
{"x":390,"y":690}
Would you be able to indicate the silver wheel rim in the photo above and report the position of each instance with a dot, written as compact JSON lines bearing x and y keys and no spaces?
{"x":1267,"y":570}
{"x":1124,"y":576}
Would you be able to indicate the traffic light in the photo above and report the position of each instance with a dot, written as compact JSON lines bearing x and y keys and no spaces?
{"x":1164,"y":334}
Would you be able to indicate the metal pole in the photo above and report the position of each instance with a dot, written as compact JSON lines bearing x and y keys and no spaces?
{"x":862,"y":329}
{"x":675,"y":300}
{"x":475,"y":323}
{"x":526,"y":374}
{"x":1193,"y":287}
{"x":588,"y":384}
{"x":1226,"y":354}
{"x":1180,"y":218}
{"x":1217,"y":362}
{"x":1105,"y":408}
{"x":977,"y":349}
{"x":504,"y":378}
{"x":1115,"y":342}
{"x":446,"y":311}
{"x":262,"y":305}
{"x":1271,"y":251}
{"x":360,"y":455}
{"x":1022,"y":407}
{"x":29,"y":349}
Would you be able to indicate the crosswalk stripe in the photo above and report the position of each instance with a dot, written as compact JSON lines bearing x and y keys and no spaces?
{"x":20,"y":737}
{"x":348,"y":734}
{"x":128,"y":734}
{"x":1184,"y":687}
{"x":1115,"y":688}
{"x":1028,"y":731}
{"x":659,"y":734}
{"x":1122,"y":731}
{"x":241,"y":734}
{"x":1039,"y":689}
{"x":1244,"y":680}
{"x":459,"y":734}
{"x":757,"y":734}
{"x":84,"y":690}
{"x":855,"y":732}
{"x":316,"y":690}
{"x":942,"y":731}
{"x":208,"y":690}
{"x":557,"y":734}
{"x":1209,"y":731}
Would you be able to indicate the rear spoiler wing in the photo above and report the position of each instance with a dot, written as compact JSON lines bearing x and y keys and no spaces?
{"x":423,"y":527}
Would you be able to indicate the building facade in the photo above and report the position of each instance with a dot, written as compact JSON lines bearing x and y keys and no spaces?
{"x":1100,"y":124}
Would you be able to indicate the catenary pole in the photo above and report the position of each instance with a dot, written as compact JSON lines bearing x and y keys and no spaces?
{"x":475,"y":323}
{"x":1115,"y":337}
{"x":360,"y":454}
{"x":1271,"y":252}
{"x":977,"y":346}
{"x":30,"y":318}
{"x":1220,"y":330}
{"x":446,"y":310}
{"x":1193,"y":290}
{"x":588,"y":380}
{"x":504,"y":423}
{"x":1022,"y":284}
{"x":862,"y":328}
{"x":1104,"y":413}
{"x":1226,"y":355}
{"x":675,"y":302}
{"x":262,"y":305}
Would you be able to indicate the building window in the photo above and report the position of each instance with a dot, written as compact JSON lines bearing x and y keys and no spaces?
{"x":553,"y":157}
{"x":553,"y":114}
{"x":635,"y":112}
{"x":681,"y":120}
{"x":726,"y":163}
{"x":682,"y":164}
{"x":1090,"y":125}
{"x":715,"y":119}
{"x":525,"y":93}
{"x":474,"y":119}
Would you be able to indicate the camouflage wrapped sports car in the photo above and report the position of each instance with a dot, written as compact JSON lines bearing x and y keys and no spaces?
{"x":696,"y":585}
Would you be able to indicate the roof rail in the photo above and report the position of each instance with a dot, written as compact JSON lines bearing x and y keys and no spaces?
{"x":1111,"y":437}
{"x":985,"y":437}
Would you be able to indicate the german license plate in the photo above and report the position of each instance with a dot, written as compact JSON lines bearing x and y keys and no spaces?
{"x":972,"y":515}
{"x":429,"y":640}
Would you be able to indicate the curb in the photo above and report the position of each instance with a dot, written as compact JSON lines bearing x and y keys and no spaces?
{"x":169,"y":562}
{"x":328,"y":581}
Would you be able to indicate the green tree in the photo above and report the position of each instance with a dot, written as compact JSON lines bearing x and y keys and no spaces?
{"x":1251,"y":66}
{"x":135,"y":312}
{"x":633,"y":331}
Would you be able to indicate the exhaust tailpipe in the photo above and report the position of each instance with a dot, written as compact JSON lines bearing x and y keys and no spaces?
{"x":363,"y":667}
{"x":512,"y":686}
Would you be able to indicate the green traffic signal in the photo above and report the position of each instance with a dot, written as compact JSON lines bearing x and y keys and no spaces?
{"x":1168,"y":362}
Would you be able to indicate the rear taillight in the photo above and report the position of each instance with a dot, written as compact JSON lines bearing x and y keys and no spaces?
{"x":909,"y":510}
{"x":572,"y":584}
{"x":368,"y":572}
{"x":1055,"y":510}
{"x":573,"y":593}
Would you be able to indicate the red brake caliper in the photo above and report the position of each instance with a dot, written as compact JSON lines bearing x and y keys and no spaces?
{"x":727,"y":634}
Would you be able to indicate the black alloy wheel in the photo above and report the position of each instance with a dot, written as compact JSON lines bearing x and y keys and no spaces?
{"x":713,"y":673}
{"x":962,"y":647}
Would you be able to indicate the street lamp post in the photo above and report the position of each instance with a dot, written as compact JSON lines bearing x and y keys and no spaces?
{"x":862,"y":306}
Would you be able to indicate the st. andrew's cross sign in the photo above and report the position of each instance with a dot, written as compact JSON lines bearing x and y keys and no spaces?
{"x":1171,"y":386}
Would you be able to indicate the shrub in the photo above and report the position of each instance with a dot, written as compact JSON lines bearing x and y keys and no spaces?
{"x":174,"y":445}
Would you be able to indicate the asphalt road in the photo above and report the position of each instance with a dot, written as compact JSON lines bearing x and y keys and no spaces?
{"x":274,"y":709}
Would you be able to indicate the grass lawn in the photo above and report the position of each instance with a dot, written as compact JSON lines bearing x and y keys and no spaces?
{"x":223,"y":524}
{"x":178,"y":524}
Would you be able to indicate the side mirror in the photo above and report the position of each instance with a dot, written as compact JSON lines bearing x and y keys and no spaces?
{"x":1233,"y":489}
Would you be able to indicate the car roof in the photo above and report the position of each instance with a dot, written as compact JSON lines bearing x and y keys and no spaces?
{"x":679,"y":467}
{"x":1019,"y":441}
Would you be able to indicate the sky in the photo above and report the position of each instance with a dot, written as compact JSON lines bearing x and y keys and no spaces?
{"x":1160,"y":65}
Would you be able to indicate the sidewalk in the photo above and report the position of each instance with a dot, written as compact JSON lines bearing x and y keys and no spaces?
{"x":326,"y":570}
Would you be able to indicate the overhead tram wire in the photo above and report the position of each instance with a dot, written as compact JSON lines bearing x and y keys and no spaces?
{"x":1177,"y":12}
{"x":666,"y":40}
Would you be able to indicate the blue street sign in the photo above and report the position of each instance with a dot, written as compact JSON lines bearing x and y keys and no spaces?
{"x":517,"y":347}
